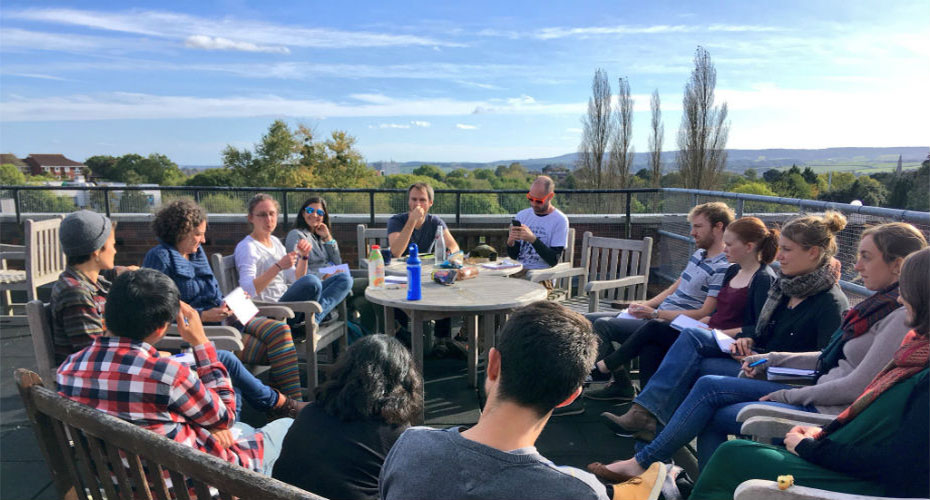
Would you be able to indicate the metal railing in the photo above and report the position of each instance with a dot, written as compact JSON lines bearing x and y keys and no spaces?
{"x":671,"y":205}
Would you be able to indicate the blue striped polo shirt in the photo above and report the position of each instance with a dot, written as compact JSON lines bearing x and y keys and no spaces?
{"x":702,"y":277}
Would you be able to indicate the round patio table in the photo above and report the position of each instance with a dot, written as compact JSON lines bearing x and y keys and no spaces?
{"x":477,"y":300}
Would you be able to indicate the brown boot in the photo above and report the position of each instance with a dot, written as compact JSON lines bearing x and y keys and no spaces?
{"x":637,"y":422}
{"x":290,"y":408}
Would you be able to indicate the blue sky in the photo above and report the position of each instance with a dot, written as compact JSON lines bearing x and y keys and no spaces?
{"x":449,"y":81}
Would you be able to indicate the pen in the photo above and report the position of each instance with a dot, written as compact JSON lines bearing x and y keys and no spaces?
{"x":757,"y":363}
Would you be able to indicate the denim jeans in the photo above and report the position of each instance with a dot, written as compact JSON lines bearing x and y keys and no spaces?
{"x":694,"y":354}
{"x":709,"y":413}
{"x":272,"y":435}
{"x":329,"y":292}
{"x":258,"y":395}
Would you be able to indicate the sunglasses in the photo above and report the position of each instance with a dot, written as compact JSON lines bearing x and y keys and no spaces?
{"x":318,"y":211}
{"x":540,"y":200}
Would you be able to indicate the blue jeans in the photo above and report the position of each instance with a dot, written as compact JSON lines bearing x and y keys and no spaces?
{"x":258,"y":395}
{"x":694,"y":354}
{"x":329,"y":292}
{"x":709,"y":413}
{"x":272,"y":435}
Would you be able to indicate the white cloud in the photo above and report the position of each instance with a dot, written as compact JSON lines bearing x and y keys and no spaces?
{"x":39,"y":76}
{"x":421,"y":124}
{"x":217,"y":43}
{"x":462,"y":126}
{"x":390,"y":125}
{"x":162,"y":24}
{"x":558,"y":32}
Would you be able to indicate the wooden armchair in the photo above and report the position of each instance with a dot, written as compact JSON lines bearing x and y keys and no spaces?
{"x":318,"y":336}
{"x":766,"y":422}
{"x":42,"y":257}
{"x":611,"y":269}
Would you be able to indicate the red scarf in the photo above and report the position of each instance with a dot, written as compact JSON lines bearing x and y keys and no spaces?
{"x":910,"y":359}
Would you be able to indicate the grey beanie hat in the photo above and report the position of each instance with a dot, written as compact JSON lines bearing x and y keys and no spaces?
{"x":83,"y":232}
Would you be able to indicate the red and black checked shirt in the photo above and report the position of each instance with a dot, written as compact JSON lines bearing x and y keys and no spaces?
{"x":77,"y":311}
{"x":129,"y":380}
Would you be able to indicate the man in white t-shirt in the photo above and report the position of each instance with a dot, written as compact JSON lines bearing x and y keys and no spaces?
{"x":542,"y":235}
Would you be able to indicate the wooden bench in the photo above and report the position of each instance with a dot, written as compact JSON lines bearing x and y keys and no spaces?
{"x":91,"y":454}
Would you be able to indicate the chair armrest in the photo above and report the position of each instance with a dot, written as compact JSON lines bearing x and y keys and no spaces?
{"x":556,"y":272}
{"x":223,"y":337}
{"x":761,"y":410}
{"x":304,"y":306}
{"x":358,"y":273}
{"x":597,"y":286}
{"x":765,"y":429}
{"x":279,"y":313}
{"x":758,"y":489}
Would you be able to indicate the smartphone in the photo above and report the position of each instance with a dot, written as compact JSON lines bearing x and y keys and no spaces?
{"x":515,"y":223}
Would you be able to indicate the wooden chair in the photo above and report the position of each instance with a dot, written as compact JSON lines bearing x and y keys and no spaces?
{"x":766,"y":422}
{"x":39,"y":317}
{"x":42,"y":256}
{"x":611,"y":269}
{"x":318,"y":336}
{"x":91,"y":454}
{"x":366,"y":238}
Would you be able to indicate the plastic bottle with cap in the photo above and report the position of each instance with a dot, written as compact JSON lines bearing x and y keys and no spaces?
{"x":413,"y":273}
{"x":376,"y":267}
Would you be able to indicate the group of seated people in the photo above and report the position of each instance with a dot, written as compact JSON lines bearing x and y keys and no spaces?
{"x":356,"y":441}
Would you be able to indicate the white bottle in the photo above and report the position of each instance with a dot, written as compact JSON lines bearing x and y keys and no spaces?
{"x":375,"y":268}
{"x":439,"y":248}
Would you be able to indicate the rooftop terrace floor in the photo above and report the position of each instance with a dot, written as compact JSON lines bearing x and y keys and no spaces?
{"x":570,"y":440}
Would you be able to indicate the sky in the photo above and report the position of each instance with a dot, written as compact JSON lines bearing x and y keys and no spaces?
{"x":450,"y":81}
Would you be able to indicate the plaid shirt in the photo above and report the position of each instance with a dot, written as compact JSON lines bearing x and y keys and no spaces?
{"x":129,"y":380}
{"x":77,"y":311}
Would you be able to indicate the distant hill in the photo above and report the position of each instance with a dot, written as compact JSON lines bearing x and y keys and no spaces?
{"x":738,"y":160}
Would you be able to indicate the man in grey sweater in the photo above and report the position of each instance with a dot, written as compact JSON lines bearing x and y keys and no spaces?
{"x":540,"y":362}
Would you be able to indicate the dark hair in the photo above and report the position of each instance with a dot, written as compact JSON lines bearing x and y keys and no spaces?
{"x":914,"y":289}
{"x":73,"y":260}
{"x":816,"y":231}
{"x":715,"y":211}
{"x":424,"y":186}
{"x":375,"y":378}
{"x":546,"y":352}
{"x":140,"y":302}
{"x":176,"y":219}
{"x":300,"y":223}
{"x":895,"y":240}
{"x":753,"y":230}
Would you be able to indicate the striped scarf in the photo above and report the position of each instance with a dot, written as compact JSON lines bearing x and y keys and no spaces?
{"x":858,"y":320}
{"x":910,"y":359}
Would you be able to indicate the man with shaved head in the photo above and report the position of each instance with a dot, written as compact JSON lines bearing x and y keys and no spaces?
{"x":542,"y":235}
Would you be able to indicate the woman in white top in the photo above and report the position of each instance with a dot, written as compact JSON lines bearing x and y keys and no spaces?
{"x":266,"y":270}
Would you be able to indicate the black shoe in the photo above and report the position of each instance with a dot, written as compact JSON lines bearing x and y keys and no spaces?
{"x":599,"y":376}
{"x":612,"y":391}
{"x":576,"y":408}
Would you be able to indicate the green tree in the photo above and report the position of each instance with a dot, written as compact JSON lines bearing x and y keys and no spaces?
{"x":751,"y":175}
{"x":273,"y":161}
{"x":218,"y":203}
{"x":101,"y":166}
{"x":134,"y":202}
{"x":335,"y":162}
{"x":865,"y":189}
{"x":809,"y":175}
{"x":756,"y":187}
{"x":214,"y":177}
{"x":430,"y":171}
{"x":11,"y":175}
{"x":793,"y":185}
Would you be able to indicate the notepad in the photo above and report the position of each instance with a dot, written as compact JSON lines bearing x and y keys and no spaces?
{"x":625,"y":314}
{"x":683,"y":321}
{"x":724,"y":341}
{"x":241,"y":306}
{"x":785,"y":373}
{"x":334,"y":269}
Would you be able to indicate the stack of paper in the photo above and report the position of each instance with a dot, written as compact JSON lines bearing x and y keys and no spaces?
{"x":625,"y":314}
{"x":501,"y":264}
{"x":341,"y":268}
{"x":242,"y":307}
{"x":724,"y":341}
{"x":784,"y":373}
{"x":683,"y":321}
{"x":395,"y":280}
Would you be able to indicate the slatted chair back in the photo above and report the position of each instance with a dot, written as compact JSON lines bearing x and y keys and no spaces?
{"x":95,"y":455}
{"x":368,"y":237}
{"x":39,"y":316}
{"x":42,"y":260}
{"x":607,"y":259}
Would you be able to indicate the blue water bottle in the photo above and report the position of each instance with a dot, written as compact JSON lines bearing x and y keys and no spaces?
{"x":413,"y":273}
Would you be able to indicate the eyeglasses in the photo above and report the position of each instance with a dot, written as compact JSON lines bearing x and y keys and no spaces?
{"x":540,"y":200}
{"x":318,"y":211}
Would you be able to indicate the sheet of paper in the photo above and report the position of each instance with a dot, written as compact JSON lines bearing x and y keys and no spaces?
{"x":501,"y":264}
{"x":332,"y":269}
{"x":396,"y":279}
{"x":625,"y":314}
{"x":243,"y":308}
{"x":681,"y":322}
{"x":724,"y":341}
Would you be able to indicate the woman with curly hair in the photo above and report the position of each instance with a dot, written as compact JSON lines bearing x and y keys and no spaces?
{"x":337,"y":445}
{"x":181,"y":228}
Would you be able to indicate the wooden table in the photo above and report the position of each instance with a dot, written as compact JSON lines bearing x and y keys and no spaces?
{"x":477,"y":300}
{"x":398,"y":267}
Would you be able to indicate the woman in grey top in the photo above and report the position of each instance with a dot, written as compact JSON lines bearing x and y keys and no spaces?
{"x":312,"y":225}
